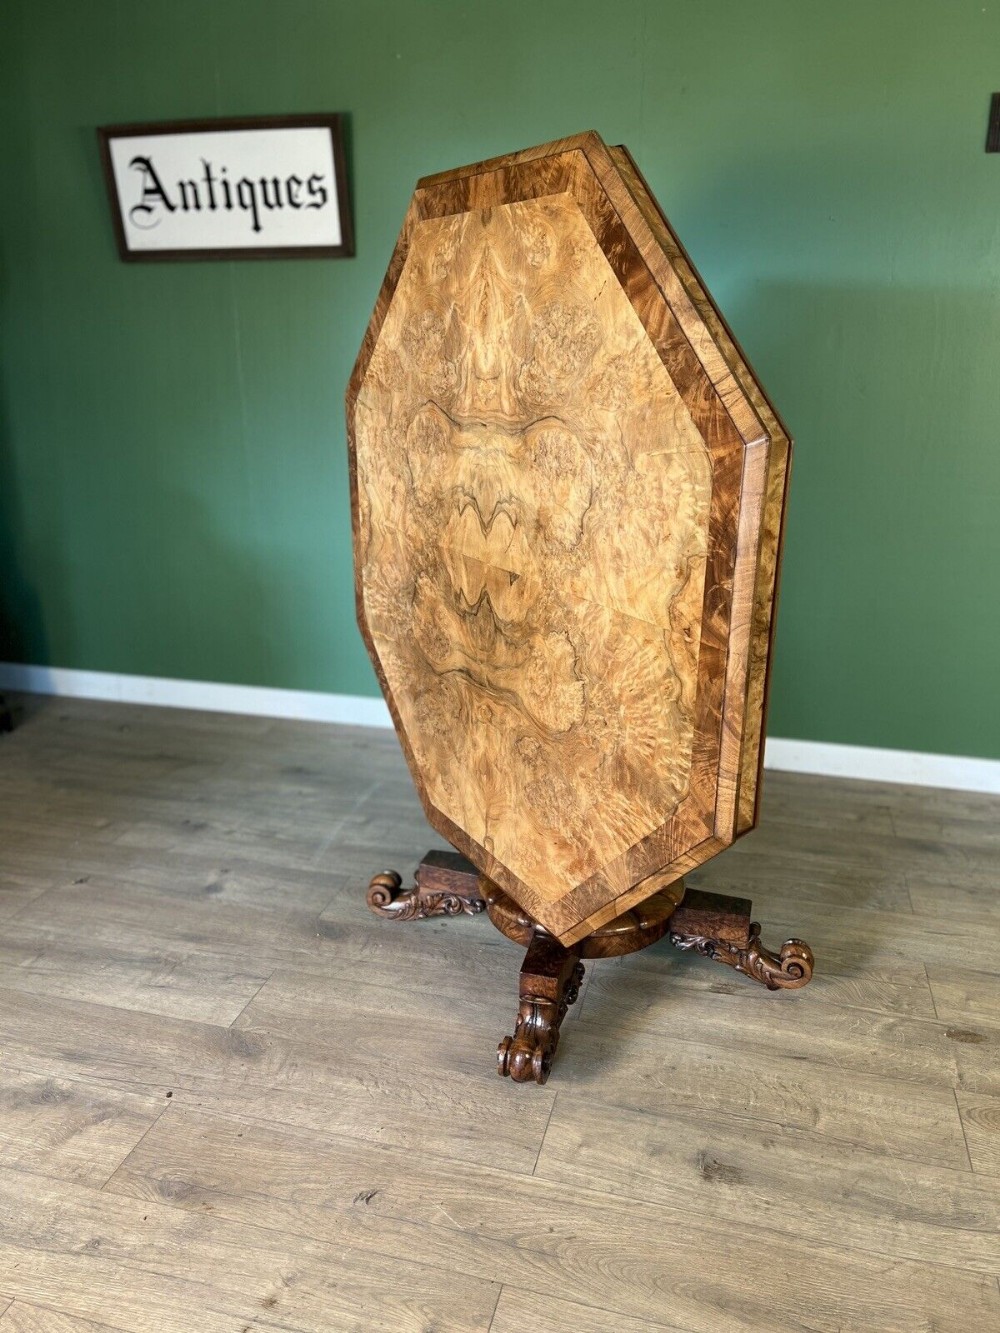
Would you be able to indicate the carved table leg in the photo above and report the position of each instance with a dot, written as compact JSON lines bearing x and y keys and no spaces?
{"x":719,"y":927}
{"x":550,"y":983}
{"x":446,"y":884}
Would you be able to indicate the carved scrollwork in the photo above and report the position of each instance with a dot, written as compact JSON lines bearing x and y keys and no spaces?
{"x":386,"y":898}
{"x":572,"y":990}
{"x":787,"y":970}
{"x":528,"y":1055}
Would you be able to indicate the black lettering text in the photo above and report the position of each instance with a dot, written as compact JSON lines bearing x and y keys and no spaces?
{"x":317,"y":191}
{"x":247,"y":196}
{"x":292,"y":187}
{"x":153,"y":193}
{"x":209,"y":184}
{"x":183,"y":187}
{"x":276,"y":184}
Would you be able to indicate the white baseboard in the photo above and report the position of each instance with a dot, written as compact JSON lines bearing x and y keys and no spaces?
{"x":913,"y":767}
{"x":817,"y":757}
{"x":208,"y":696}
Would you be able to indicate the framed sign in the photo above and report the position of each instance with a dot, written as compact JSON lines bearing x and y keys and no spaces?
{"x":255,"y":188}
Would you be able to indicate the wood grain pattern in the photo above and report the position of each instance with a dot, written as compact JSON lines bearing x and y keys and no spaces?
{"x":77,"y":1129}
{"x":567,"y":509}
{"x":23,"y":1318}
{"x":337,"y":1160}
{"x":151,"y":1267}
{"x":981,"y":1120}
{"x":518,"y":1310}
{"x":712,"y":1163}
{"x":765,"y":581}
{"x":530,"y":1231}
{"x":329,"y":1076}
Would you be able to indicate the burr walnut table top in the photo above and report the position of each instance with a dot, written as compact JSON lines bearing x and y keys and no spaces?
{"x":568,"y":492}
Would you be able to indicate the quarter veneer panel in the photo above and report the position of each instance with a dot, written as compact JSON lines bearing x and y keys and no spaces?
{"x":517,"y":564}
{"x":567,"y":512}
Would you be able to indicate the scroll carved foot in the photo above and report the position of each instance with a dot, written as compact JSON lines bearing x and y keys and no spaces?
{"x":550,"y":983}
{"x":446,"y":885}
{"x":787,"y":970}
{"x":387,"y":898}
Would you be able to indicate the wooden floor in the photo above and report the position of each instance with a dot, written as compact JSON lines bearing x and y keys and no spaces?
{"x":232,"y":1101}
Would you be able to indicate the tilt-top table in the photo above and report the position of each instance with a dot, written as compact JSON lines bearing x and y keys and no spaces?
{"x":568,"y":494}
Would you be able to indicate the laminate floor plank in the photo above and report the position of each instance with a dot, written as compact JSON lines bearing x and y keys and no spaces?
{"x":965,"y":998}
{"x":205,"y":958}
{"x":803,"y":880}
{"x":235,"y":879}
{"x":365,"y":1078}
{"x":981,"y":1121}
{"x":626,"y":1255}
{"x":119,"y":914}
{"x":232,"y":1100}
{"x":897,"y":987}
{"x":518,"y":1311}
{"x":148,"y":1266}
{"x":155,"y":980}
{"x":978,"y":904}
{"x":70,"y":1128}
{"x":877,"y":937}
{"x":208,"y":918}
{"x":17,"y":889}
{"x":630,"y":1068}
{"x":925,"y":1050}
{"x":309,"y":1007}
{"x":22,"y":1318}
{"x":786,"y":1180}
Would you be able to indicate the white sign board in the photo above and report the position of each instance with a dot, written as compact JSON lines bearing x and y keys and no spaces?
{"x":229,"y":188}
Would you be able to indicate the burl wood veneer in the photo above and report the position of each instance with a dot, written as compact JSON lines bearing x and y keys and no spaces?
{"x":568,"y":492}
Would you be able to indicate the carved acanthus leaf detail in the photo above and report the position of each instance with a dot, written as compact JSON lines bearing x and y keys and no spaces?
{"x":386,"y":898}
{"x":787,"y":970}
{"x":528,"y":1055}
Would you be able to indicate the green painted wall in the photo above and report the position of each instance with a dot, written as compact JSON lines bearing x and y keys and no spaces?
{"x":172,"y":459}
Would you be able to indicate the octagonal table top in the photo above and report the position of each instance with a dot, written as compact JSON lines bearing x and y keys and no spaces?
{"x":568,"y":492}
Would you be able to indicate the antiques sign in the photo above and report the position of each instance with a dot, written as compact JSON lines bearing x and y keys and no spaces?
{"x":229,"y":189}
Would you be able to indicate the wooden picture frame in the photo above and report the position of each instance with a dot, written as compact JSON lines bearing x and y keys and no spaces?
{"x":213,"y":202}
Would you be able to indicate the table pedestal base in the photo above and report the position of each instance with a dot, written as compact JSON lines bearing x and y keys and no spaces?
{"x":714,"y":925}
